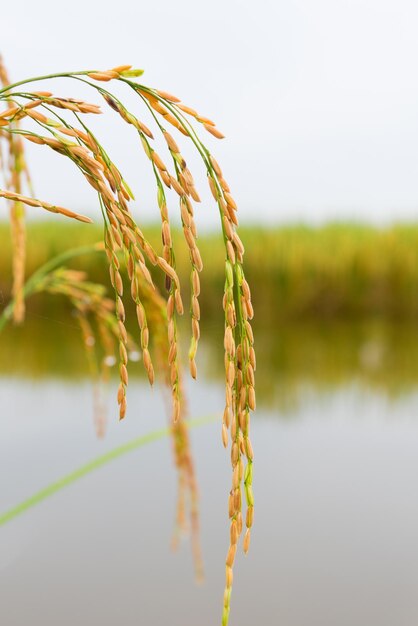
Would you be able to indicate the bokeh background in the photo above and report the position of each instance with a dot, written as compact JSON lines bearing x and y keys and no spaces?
{"x":319,"y":102}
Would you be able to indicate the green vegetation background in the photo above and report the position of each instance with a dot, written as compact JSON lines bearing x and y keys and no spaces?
{"x":336,"y":271}
{"x":334,"y":304}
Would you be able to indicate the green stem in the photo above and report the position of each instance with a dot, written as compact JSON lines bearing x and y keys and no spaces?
{"x":46,"y":77}
{"x":93,"y":465}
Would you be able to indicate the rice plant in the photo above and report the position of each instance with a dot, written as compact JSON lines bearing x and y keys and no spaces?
{"x":61,"y":124}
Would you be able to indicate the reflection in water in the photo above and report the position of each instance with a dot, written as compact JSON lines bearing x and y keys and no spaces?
{"x":335,"y":535}
{"x":376,"y":354}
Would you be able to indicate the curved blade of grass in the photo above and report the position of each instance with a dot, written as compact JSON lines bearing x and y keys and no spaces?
{"x":31,"y":283}
{"x":93,"y":465}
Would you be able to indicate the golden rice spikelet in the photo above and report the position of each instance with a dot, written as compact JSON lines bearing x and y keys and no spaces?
{"x":121,"y":68}
{"x":103,"y":76}
{"x":171,"y":143}
{"x":214,"y":131}
{"x":188,"y":110}
{"x":168,"y":96}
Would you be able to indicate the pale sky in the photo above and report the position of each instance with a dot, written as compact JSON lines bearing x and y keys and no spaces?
{"x":318,"y":98}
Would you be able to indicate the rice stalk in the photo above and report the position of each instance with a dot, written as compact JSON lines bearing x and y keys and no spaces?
{"x":127,"y":247}
{"x":15,"y":170}
{"x":187,"y":490}
{"x":239,"y":351}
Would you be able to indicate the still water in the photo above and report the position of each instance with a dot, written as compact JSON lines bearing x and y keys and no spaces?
{"x":335,"y":541}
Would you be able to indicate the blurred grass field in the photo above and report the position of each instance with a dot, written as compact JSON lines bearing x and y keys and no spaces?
{"x":333,"y":305}
{"x":296,"y":272}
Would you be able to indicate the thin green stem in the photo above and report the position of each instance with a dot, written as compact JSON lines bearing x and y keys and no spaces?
{"x":93,"y":465}
{"x":45,"y":77}
{"x":39,"y":274}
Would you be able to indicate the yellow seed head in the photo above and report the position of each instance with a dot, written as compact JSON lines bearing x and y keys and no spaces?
{"x":193,"y":368}
{"x":237,"y":499}
{"x":234,"y":454}
{"x":178,"y":302}
{"x":196,"y":283}
{"x":247,"y":539}
{"x":215,"y":165}
{"x":214,"y":131}
{"x":197,"y":259}
{"x":226,"y":419}
{"x":212,"y":187}
{"x":144,"y":337}
{"x":250,"y":516}
{"x":170,"y":307}
{"x":239,"y":522}
{"x":195,"y":329}
{"x":176,"y":186}
{"x":122,"y":408}
{"x":229,"y":577}
{"x":224,"y":435}
{"x":187,"y":110}
{"x":122,"y":332}
{"x":233,"y":532}
{"x":231,"y":252}
{"x":230,"y":557}
{"x":158,"y":160}
{"x":171,"y":143}
{"x":193,"y":193}
{"x":121,"y":393}
{"x":123,"y":373}
{"x":168,"y":96}
{"x":251,"y":398}
{"x":101,"y":76}
{"x":123,"y":355}
{"x":231,"y":510}
{"x":249,"y":449}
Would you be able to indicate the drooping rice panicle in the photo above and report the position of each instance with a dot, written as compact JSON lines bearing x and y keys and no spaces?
{"x":183,"y":185}
{"x":89,"y":299}
{"x":240,"y":395}
{"x":187,"y":491}
{"x":124,"y":239}
{"x":52,"y":208}
{"x":120,"y":229}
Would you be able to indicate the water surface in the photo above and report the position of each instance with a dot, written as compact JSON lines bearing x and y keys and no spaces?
{"x":335,"y":538}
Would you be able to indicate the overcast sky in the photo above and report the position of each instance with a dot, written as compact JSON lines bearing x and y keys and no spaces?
{"x":318,"y":98}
